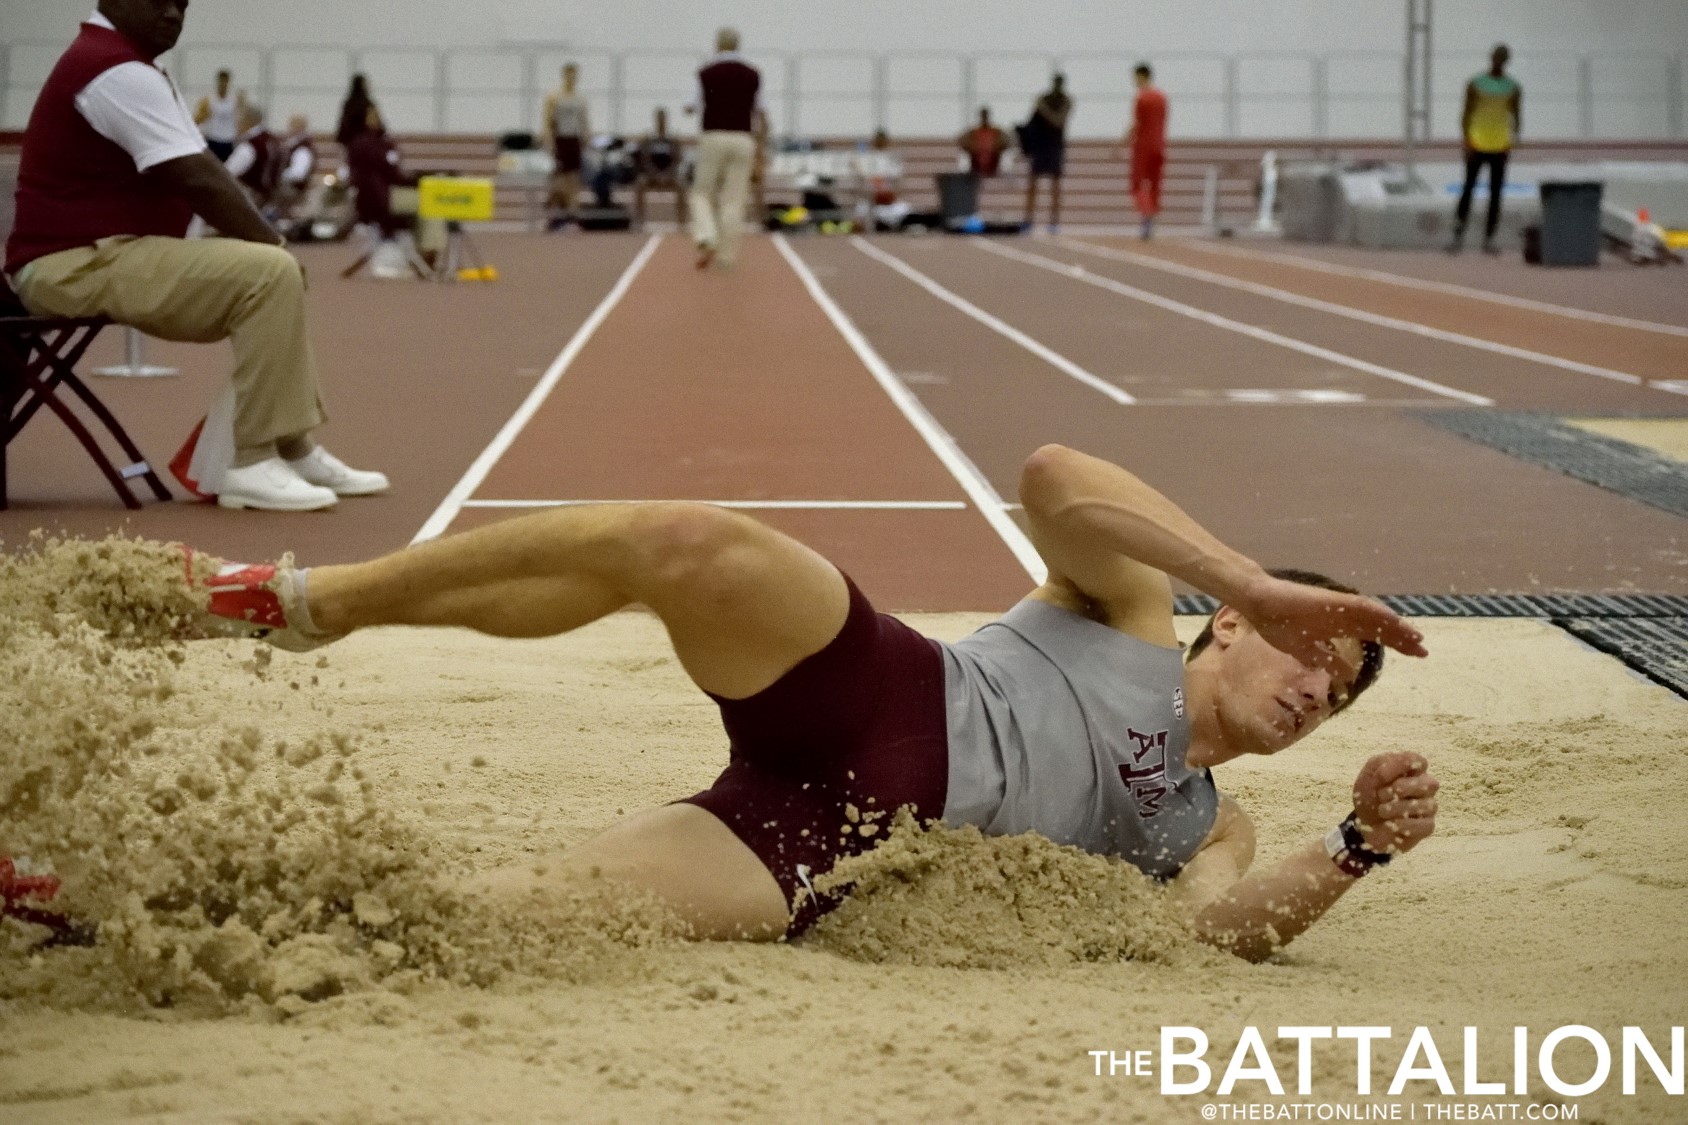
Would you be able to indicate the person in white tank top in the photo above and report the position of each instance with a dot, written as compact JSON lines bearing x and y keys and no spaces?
{"x":218,"y":116}
{"x":832,"y":708}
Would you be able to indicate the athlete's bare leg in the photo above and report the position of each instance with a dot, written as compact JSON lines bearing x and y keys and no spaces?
{"x":742,"y":603}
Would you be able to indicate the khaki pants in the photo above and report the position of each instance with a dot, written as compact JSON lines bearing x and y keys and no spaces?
{"x":720,"y":184}
{"x":200,"y":291}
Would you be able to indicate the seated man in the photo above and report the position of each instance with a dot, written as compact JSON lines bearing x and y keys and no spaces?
{"x":1075,"y":715}
{"x":298,"y":164}
{"x":255,"y":162}
{"x":657,"y":165}
{"x":111,"y":173}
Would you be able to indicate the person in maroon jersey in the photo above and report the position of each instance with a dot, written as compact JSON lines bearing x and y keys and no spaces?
{"x":256,"y":159}
{"x":726,"y":151}
{"x":1146,"y":140}
{"x":112,"y":170}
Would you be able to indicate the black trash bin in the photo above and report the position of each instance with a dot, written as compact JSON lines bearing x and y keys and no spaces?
{"x":1570,"y":223}
{"x":958,"y":196}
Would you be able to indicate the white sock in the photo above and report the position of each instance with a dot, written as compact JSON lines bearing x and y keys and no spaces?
{"x":291,"y":584}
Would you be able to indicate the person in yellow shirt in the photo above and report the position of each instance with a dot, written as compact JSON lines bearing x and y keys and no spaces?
{"x":1492,"y":118}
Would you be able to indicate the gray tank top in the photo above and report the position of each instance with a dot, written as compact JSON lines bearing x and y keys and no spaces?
{"x":1063,"y":726}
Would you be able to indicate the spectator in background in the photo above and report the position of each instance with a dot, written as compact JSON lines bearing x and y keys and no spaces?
{"x":1146,"y":141}
{"x":218,"y":117}
{"x":376,"y":169}
{"x":1044,"y":141}
{"x":657,"y":165}
{"x":984,"y":145}
{"x":354,"y":112}
{"x":256,"y":160}
{"x":1490,"y":121}
{"x":726,"y":150}
{"x":566,"y":125}
{"x":298,"y":160}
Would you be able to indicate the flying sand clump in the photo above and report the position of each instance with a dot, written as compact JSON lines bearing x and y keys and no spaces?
{"x":223,"y":868}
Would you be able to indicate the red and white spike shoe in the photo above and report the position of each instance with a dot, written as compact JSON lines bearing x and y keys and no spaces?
{"x":263,"y":601}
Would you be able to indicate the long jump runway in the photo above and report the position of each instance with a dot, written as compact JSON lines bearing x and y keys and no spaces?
{"x":735,"y":388}
{"x":1304,"y":449}
{"x":876,"y":398}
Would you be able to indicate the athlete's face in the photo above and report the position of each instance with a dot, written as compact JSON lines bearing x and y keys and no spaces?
{"x":1269,"y":700}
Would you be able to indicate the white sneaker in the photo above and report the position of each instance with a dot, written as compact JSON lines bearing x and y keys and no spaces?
{"x":320,"y":467}
{"x":272,"y":485}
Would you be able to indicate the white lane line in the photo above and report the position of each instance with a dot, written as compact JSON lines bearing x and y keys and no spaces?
{"x":1079,"y":273}
{"x":1352,"y":313}
{"x":972,"y":481}
{"x":471,"y":480}
{"x":1407,"y":282}
{"x":792,"y":505}
{"x":1049,"y":355}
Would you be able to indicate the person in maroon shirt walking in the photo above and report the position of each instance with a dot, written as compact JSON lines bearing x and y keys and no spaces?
{"x":1146,"y":140}
{"x":726,"y":151}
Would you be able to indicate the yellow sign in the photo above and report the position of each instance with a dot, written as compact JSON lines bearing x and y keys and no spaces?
{"x":455,"y":199}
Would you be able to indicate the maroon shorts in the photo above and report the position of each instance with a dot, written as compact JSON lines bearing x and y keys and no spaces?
{"x":566,"y":152}
{"x":862,"y":723}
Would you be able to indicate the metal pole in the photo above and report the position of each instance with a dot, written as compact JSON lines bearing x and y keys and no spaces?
{"x":881,"y":96}
{"x":1415,"y":85}
{"x":1585,"y":96}
{"x":5,"y":80}
{"x":618,"y":91}
{"x":530,"y":88}
{"x":1321,"y":99}
{"x":969,"y":89}
{"x":1673,"y":97}
{"x":135,"y":365}
{"x":1231,"y":116}
{"x":793,"y":95}
{"x":441,"y":81}
{"x":1210,"y":199}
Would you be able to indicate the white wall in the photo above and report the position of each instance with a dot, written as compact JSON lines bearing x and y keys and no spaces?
{"x":1357,"y":41}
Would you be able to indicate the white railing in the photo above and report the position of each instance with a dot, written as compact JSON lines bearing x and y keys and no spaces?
{"x":1335,"y":95}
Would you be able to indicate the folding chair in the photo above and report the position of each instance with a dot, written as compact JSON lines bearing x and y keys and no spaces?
{"x":38,"y":358}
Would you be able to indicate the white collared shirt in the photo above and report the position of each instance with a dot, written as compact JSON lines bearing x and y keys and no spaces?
{"x":136,"y":107}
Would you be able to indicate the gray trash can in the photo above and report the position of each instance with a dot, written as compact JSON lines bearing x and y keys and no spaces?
{"x":1570,"y":224}
{"x":958,"y":195}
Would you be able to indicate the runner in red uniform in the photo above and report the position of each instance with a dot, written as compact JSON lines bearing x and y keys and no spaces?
{"x":1147,"y":141}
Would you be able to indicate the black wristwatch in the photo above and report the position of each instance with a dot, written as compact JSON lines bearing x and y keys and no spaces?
{"x":1346,"y":846}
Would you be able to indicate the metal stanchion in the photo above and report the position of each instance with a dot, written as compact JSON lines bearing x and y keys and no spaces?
{"x":1264,"y":223}
{"x":135,"y":365}
{"x":1210,"y":199}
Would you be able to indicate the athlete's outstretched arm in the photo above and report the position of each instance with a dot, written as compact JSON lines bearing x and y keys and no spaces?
{"x":1106,"y":532}
{"x":1259,"y":913}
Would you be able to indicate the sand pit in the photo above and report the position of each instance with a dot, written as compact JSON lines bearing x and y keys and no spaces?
{"x":270,"y":842}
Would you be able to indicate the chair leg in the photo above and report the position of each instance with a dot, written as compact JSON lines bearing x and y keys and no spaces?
{"x":137,"y":459}
{"x":40,"y":368}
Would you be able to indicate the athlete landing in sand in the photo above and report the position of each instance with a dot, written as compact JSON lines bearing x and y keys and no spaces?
{"x":1075,"y":715}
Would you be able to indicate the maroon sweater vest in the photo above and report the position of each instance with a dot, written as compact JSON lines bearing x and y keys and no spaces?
{"x":265,"y":172}
{"x":729,"y":95}
{"x":74,"y":186}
